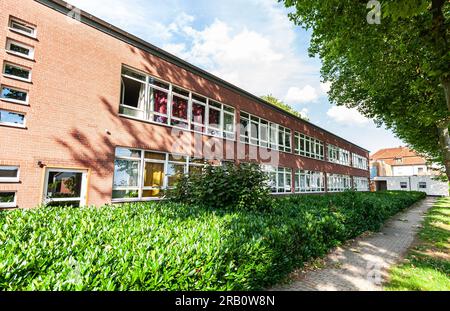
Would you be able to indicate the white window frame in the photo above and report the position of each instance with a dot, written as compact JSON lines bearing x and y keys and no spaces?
{"x":16,"y":77}
{"x":338,"y":183}
{"x":83,"y":192}
{"x":421,"y":183}
{"x":147,"y":111}
{"x":302,"y":140}
{"x":10,"y":204}
{"x":255,"y":122}
{"x":15,"y":101}
{"x":338,"y":155}
{"x":361,"y":184}
{"x":10,"y":42}
{"x":14,"y":124}
{"x":287,"y":178}
{"x":13,"y":20}
{"x":301,"y":178}
{"x":285,"y":132}
{"x":10,"y":179}
{"x":405,"y":183}
{"x":360,"y":162}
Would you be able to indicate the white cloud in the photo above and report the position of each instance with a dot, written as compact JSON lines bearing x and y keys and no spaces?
{"x":304,"y":95}
{"x":325,"y":87}
{"x":349,"y":116}
{"x":304,"y":112}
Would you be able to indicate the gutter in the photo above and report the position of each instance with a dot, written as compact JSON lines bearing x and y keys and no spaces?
{"x":99,"y":24}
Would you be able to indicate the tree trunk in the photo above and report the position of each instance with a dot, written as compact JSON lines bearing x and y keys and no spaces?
{"x":444,"y":136}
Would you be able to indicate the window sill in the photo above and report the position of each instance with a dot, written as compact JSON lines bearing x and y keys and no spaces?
{"x":20,"y":55}
{"x":34,"y":37}
{"x":22,"y":127}
{"x":17,"y":78}
{"x":119,"y":201}
{"x":13,"y":101}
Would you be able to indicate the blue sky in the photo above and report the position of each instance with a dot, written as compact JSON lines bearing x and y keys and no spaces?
{"x":250,"y":43}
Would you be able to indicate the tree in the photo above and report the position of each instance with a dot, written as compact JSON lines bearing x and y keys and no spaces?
{"x":396,"y":71}
{"x":276,"y":102}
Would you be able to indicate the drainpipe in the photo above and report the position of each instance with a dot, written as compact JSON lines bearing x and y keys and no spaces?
{"x":409,"y":177}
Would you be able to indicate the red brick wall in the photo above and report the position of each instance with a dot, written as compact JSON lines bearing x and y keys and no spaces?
{"x":74,"y":99}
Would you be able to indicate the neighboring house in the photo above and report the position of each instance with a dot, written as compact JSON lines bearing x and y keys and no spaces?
{"x":403,"y":169}
{"x":90,"y":114}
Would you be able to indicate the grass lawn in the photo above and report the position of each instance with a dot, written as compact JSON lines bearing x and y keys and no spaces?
{"x":427,"y":265}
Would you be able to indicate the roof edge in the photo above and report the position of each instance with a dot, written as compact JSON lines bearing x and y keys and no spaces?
{"x":105,"y":27}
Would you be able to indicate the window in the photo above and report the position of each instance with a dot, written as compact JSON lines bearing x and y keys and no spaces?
{"x":403,"y":185}
{"x":12,"y":118}
{"x":16,"y":72}
{"x":360,"y":184}
{"x":360,"y":162}
{"x":14,"y":95}
{"x":309,"y":181}
{"x":141,"y":175}
{"x":9,"y":173}
{"x":308,"y":147}
{"x":422,"y":185}
{"x":284,"y":139}
{"x":280,"y":179}
{"x":147,"y":98}
{"x":65,"y":187}
{"x":22,"y":27}
{"x":338,"y":183}
{"x":258,"y":132}
{"x":338,"y":155}
{"x":7,"y":199}
{"x":20,"y":49}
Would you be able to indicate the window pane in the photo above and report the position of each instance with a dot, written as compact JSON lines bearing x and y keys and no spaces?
{"x":129,"y":153}
{"x":9,"y":93}
{"x":11,"y":117}
{"x":214,"y":118}
{"x":154,"y":175}
{"x":125,"y":194}
{"x":22,"y":27}
{"x":64,"y":185}
{"x":7,"y":197}
{"x":19,"y":49}
{"x":17,"y":71}
{"x":198,"y":113}
{"x":133,"y":74}
{"x":228,"y":122}
{"x":155,"y":193}
{"x":174,"y":173}
{"x":9,"y":172}
{"x":158,"y":102}
{"x":159,"y":83}
{"x":126,"y":173}
{"x":179,"y":110}
{"x":133,"y":93}
{"x":155,"y":156}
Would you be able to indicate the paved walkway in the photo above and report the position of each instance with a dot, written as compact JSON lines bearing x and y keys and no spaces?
{"x":362,"y":264}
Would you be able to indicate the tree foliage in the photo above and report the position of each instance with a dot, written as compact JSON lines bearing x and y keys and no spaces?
{"x":276,"y":102}
{"x":396,"y":72}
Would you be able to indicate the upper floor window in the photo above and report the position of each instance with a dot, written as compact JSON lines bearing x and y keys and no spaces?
{"x":360,"y":162}
{"x":14,"y":95}
{"x":12,"y":118}
{"x":284,"y":139}
{"x":22,"y":27}
{"x":338,"y":155}
{"x":16,"y":72}
{"x":309,"y":147}
{"x":9,"y":173}
{"x":147,"y":98}
{"x":19,"y":49}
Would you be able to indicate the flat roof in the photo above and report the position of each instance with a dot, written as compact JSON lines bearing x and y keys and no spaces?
{"x":99,"y":24}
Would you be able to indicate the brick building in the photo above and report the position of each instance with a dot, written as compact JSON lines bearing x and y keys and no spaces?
{"x":90,"y":114}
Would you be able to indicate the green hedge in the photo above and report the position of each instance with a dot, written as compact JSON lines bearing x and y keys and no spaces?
{"x":170,"y":246}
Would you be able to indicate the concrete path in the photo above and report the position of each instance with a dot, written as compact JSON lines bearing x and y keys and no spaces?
{"x":362,"y":265}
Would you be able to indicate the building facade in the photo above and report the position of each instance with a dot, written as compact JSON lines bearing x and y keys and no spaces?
{"x":403,"y":169}
{"x":90,"y":114}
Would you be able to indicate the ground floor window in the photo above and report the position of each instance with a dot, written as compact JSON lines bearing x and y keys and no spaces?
{"x":8,"y":199}
{"x":338,"y":183}
{"x":65,"y":187}
{"x":309,"y":181}
{"x":403,"y":185}
{"x":422,"y":185}
{"x":141,"y":175}
{"x":280,"y":179}
{"x":361,"y":183}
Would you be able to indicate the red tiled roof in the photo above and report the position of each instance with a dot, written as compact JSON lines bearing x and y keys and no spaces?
{"x":408,"y":156}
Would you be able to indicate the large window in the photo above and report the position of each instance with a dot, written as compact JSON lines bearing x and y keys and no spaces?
{"x":361,"y":183}
{"x":338,"y":155}
{"x":309,"y":147}
{"x":12,"y":118}
{"x":147,"y":98}
{"x":65,"y":187}
{"x":9,"y":173}
{"x":16,"y":72}
{"x":260,"y":132}
{"x":338,"y":183}
{"x":144,"y":175}
{"x":280,"y":179}
{"x":7,"y":199}
{"x":360,"y":162}
{"x":14,"y":95}
{"x":309,"y":181}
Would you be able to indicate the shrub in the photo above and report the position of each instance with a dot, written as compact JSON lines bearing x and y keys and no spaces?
{"x":242,"y":186}
{"x":169,"y":246}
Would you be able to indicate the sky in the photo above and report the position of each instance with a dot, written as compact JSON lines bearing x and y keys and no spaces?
{"x":249,"y":43}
